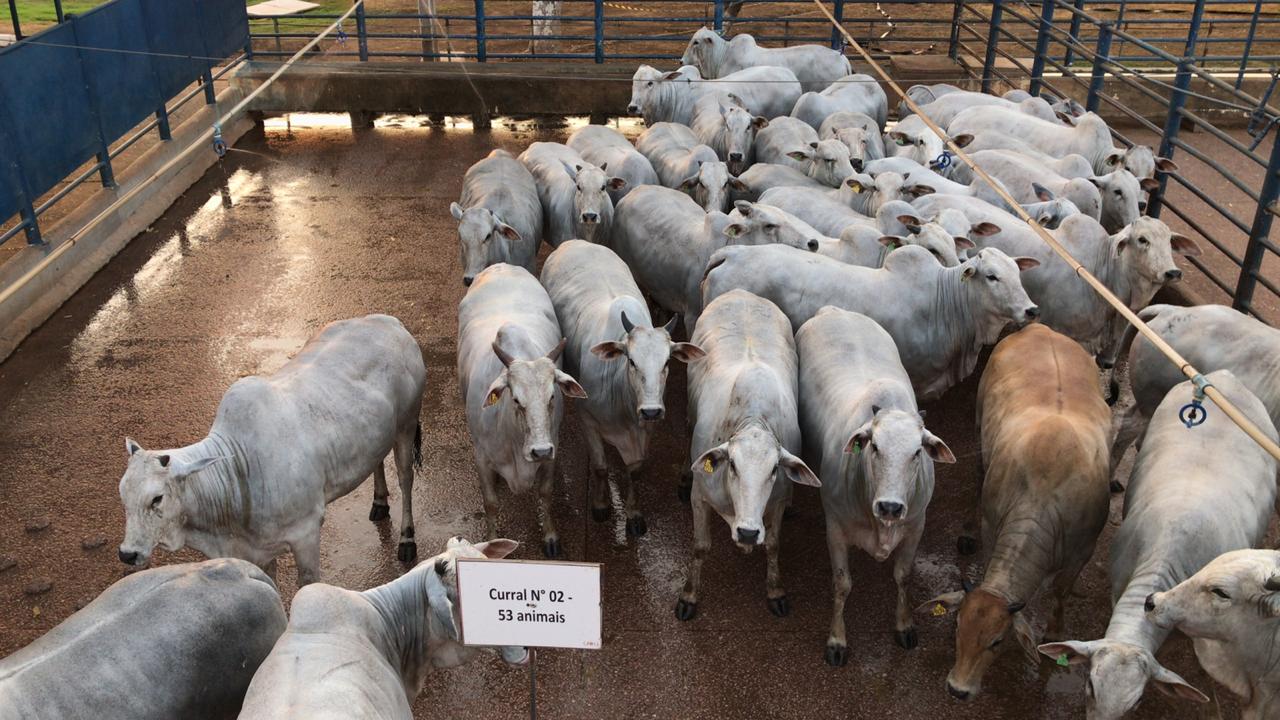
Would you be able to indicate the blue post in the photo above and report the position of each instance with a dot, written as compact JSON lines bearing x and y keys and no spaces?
{"x":480,"y":40}
{"x":718,"y":20}
{"x":104,"y":147}
{"x":206,"y":78}
{"x":13,"y":14}
{"x":599,"y":31}
{"x":162,"y":122}
{"x":57,"y":10}
{"x":837,"y":39}
{"x":30,"y":225}
{"x":1172,"y":124}
{"x":1075,"y":33}
{"x":1101,"y":54}
{"x":1042,"y":44}
{"x":1248,"y":43}
{"x":953,"y":47}
{"x":1262,"y":217}
{"x":1193,"y":33}
{"x":362,"y":34}
{"x":993,"y":38}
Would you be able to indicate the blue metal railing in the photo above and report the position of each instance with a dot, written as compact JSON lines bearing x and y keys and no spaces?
{"x":69,"y":93}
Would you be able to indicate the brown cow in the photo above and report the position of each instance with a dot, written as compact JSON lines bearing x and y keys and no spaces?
{"x":1044,"y":498}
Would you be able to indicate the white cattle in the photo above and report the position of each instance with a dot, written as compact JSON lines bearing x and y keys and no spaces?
{"x":863,"y":431}
{"x":666,"y":240}
{"x":1069,"y":167}
{"x":1021,"y":175}
{"x":180,"y":641}
{"x":574,"y":193}
{"x":606,"y":321}
{"x":922,"y":175}
{"x":1194,"y":495}
{"x":670,"y":96}
{"x":367,"y":655}
{"x":815,"y":66}
{"x":1089,"y":137}
{"x":913,"y":139}
{"x":744,"y":435}
{"x":1210,"y":337}
{"x":851,"y":93}
{"x":1141,"y":160}
{"x":925,"y":94}
{"x":858,"y":132}
{"x":729,"y":129}
{"x":1229,"y":609}
{"x":282,"y":446}
{"x":509,"y":346}
{"x":942,"y":110}
{"x":683,"y":163}
{"x":499,"y":216}
{"x":966,"y":307}
{"x":790,"y":142}
{"x":861,"y":193}
{"x":605,"y":147}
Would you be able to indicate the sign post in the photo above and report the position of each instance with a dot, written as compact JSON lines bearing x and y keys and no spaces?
{"x":531,"y":604}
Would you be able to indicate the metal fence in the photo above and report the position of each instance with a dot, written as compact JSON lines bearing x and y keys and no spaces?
{"x":70,"y":94}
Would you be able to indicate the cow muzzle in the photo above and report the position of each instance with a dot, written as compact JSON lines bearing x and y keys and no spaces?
{"x":889,"y":510}
{"x":651,"y":414}
{"x":1030,"y":315}
{"x":633,"y":109}
{"x":542,"y":453}
{"x":132,"y":557}
{"x":747,"y":536}
{"x":959,"y":694}
{"x":590,"y":218}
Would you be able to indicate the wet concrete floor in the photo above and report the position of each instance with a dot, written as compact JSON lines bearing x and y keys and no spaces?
{"x":300,"y":227}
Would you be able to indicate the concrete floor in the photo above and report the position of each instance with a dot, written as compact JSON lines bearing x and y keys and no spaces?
{"x":300,"y":228}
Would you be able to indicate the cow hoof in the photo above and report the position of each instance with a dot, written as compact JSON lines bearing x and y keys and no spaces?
{"x":837,"y":655}
{"x":966,"y":545}
{"x":551,"y":548}
{"x":1116,"y":487}
{"x":407,"y":551}
{"x":685,"y":492}
{"x":379,"y":512}
{"x":779,"y":606}
{"x":636,"y":526}
{"x":906,"y":639}
{"x":686,"y":610}
{"x":1113,"y":392}
{"x":600,"y":514}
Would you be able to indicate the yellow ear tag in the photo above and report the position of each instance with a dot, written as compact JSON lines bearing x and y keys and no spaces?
{"x":492,"y":399}
{"x":939,"y":610}
{"x":706,"y":466}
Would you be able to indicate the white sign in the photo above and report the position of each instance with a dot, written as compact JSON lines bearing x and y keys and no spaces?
{"x":529,"y":603}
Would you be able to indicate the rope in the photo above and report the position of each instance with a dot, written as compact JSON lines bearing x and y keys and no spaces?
{"x":1183,"y":365}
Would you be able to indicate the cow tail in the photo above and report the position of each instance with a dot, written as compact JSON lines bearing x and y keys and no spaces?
{"x":417,"y":445}
{"x":1146,"y":314}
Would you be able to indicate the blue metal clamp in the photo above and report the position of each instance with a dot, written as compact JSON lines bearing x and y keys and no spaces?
{"x":943,"y":161}
{"x":1193,"y":413}
{"x":342,"y":35}
{"x":219,"y":145}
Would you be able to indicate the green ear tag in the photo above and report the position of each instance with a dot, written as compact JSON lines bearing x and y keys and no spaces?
{"x":1062,"y":660}
{"x":857,"y":448}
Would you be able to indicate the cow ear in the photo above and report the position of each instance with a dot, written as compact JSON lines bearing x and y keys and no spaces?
{"x":968,"y":272}
{"x":858,"y":440}
{"x":962,"y":140}
{"x":1026,"y":263}
{"x":709,"y":461}
{"x":743,"y":207}
{"x":508,"y":232}
{"x":854,"y":185}
{"x":687,"y":352}
{"x":494,"y":393}
{"x":900,"y":138}
{"x":1149,"y":184}
{"x":893,"y":242}
{"x":441,"y":606}
{"x":1115,"y":160}
{"x":1043,"y":194}
{"x":673,"y":75}
{"x":456,"y":210}
{"x":943,"y":604}
{"x":910,"y":220}
{"x":964,"y":243}
{"x":760,"y":122}
{"x":937,"y":449}
{"x":1183,"y":245}
{"x":569,"y":386}
{"x":181,"y":469}
{"x":738,"y":185}
{"x":497,"y":549}
{"x":917,"y":191}
{"x":131,"y":447}
{"x":795,"y":469}
{"x":1166,"y":165}
{"x":1073,"y":652}
{"x":734,"y":230}
{"x":984,"y":229}
{"x":799,"y":155}
{"x":1172,"y":684}
{"x":609,"y":350}
{"x":616,"y":183}
{"x":689,"y":182}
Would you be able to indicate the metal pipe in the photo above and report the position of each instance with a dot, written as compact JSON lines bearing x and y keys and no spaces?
{"x":953,"y":46}
{"x":718,"y":17}
{"x":599,"y":31}
{"x":1042,"y":45}
{"x":57,"y":10}
{"x":836,"y":42}
{"x":1101,"y":54}
{"x":13,"y":15}
{"x":481,"y":54}
{"x":1075,"y":31}
{"x":1248,"y":43}
{"x":993,"y":37}
{"x":1262,"y":217}
{"x":362,"y":33}
{"x":1172,"y":123}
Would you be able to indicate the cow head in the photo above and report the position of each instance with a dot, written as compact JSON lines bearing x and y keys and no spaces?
{"x":1121,"y":196}
{"x":826,"y":161}
{"x":858,"y":141}
{"x":1118,"y":674}
{"x":440,"y":583}
{"x":748,"y":464}
{"x":592,"y":206}
{"x":649,"y":87}
{"x":941,"y":243}
{"x":647,"y":351}
{"x":739,"y":128}
{"x":1051,"y":210}
{"x":1141,"y":160}
{"x":1146,"y":248}
{"x":760,"y":224}
{"x":984,"y":621}
{"x":711,"y":186}
{"x":152,"y":494}
{"x":528,"y":388}
{"x":1232,"y":599}
{"x":963,"y":232}
{"x":482,"y":235}
{"x":994,"y":279}
{"x":892,"y":450}
{"x":920,"y":144}
{"x":1084,"y":195}
{"x":705,"y":51}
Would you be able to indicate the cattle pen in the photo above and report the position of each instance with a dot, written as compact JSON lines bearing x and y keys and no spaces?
{"x":173,"y":247}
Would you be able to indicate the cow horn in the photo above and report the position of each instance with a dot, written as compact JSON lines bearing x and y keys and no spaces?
{"x":503,"y":355}
{"x":1273,"y":583}
{"x":554,"y":355}
{"x":627,"y":325}
{"x":670,"y":327}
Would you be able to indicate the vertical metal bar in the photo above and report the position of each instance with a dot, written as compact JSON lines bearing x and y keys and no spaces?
{"x":1042,"y":44}
{"x":362,"y":33}
{"x":1172,"y":124}
{"x":599,"y":31}
{"x":1193,"y":33}
{"x":533,"y":684}
{"x":953,"y":46}
{"x":1120,"y":24}
{"x":12,"y":163}
{"x":1262,"y":217}
{"x":57,"y":10}
{"x":1248,"y":43}
{"x":206,"y":79}
{"x":837,"y":38}
{"x":105,"y":171}
{"x":993,"y":38}
{"x":1075,"y":33}
{"x":162,"y":122}
{"x":13,"y":15}
{"x":481,"y":50}
{"x":719,"y":16}
{"x":1101,"y":53}
{"x":30,"y":224}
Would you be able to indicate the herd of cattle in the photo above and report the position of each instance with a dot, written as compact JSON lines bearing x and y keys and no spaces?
{"x":831,"y":271}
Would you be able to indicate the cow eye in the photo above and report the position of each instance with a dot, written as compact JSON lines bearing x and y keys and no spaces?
{"x":1221,"y":593}
{"x":933,"y":252}
{"x":631,"y":362}
{"x":1142,"y":241}
{"x":650,"y":83}
{"x":993,"y":278}
{"x":604,"y":188}
{"x":996,"y":643}
{"x":875,"y":447}
{"x":155,"y":502}
{"x":771,"y":227}
{"x":1118,"y":193}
